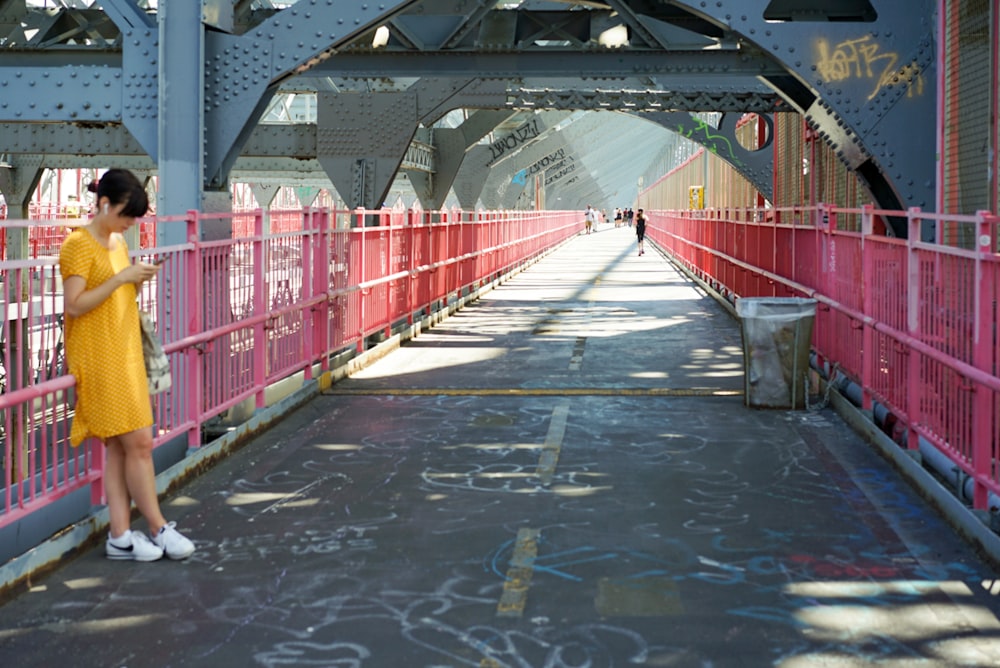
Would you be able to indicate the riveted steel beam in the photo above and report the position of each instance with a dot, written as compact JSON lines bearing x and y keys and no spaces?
{"x":242,"y":72}
{"x":755,"y":166}
{"x":471,"y":181}
{"x":452,"y":146}
{"x":651,"y":100}
{"x":865,"y":84}
{"x":587,"y":64}
{"x":18,"y":180}
{"x":361,"y":140}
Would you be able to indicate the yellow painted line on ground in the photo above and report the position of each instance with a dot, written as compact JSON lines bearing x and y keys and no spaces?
{"x":522,"y":567}
{"x":534,"y":392}
{"x":549,"y":456}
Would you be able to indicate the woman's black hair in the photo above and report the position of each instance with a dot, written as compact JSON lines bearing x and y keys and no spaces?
{"x":121,"y":186}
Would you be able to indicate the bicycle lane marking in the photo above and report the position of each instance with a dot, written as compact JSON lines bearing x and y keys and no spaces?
{"x":522,"y":561}
{"x":552,"y":447}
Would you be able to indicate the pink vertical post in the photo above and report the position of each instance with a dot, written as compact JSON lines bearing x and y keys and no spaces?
{"x":869,"y":359}
{"x":391,"y":269}
{"x":321,"y":281}
{"x":362,"y":277}
{"x":411,"y":242}
{"x":982,"y":358}
{"x":914,"y":387}
{"x":261,"y":347}
{"x":194,"y":296}
{"x":827,"y":258}
{"x":309,"y":269}
{"x":97,"y":461}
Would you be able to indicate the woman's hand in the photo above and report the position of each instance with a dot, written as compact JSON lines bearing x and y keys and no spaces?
{"x":139,"y":272}
{"x":77,"y":300}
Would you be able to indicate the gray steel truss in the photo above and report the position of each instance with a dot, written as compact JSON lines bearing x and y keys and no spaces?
{"x":190,"y":89}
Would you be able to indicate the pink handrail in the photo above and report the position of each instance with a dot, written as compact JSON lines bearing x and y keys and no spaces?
{"x":286,"y":293}
{"x":910,"y":321}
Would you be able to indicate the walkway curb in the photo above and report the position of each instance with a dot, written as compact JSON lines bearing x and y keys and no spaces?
{"x":970,"y":527}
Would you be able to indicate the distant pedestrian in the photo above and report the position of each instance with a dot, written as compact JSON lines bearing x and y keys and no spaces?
{"x":589,"y":218}
{"x":640,"y":229}
{"x":104,"y":353}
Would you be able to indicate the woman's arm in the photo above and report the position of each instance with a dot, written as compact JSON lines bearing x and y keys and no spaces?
{"x":78,"y":300}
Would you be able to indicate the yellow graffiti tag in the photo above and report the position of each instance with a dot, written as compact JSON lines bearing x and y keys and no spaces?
{"x":863,"y":59}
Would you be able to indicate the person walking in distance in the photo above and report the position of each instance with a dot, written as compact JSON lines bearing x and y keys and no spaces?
{"x":104,"y":354}
{"x":589,"y":218}
{"x":640,"y":229}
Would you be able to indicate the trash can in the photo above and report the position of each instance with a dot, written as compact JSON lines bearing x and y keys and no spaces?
{"x":777,"y":332}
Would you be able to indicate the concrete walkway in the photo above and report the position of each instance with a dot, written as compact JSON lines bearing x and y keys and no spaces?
{"x":561,"y":474}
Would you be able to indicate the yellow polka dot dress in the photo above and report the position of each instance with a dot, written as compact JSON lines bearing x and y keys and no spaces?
{"x":103,"y":346}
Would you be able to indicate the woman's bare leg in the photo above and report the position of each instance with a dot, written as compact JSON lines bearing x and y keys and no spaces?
{"x":139,"y":476}
{"x":115,"y":489}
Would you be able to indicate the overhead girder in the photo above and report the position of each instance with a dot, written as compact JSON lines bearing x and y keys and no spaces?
{"x":644,"y":100}
{"x":452,"y":146}
{"x":867,"y":85}
{"x":864,"y":81}
{"x":464,"y":25}
{"x":364,"y":138}
{"x":240,"y":73}
{"x":593,"y":65}
{"x":756,"y":166}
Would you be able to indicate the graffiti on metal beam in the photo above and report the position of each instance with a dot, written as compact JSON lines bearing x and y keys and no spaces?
{"x":555,"y":165}
{"x":705,"y":134}
{"x":514,"y":140}
{"x":863,"y":58}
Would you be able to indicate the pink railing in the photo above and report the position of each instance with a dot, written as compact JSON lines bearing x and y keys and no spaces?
{"x":912,"y":323}
{"x":240,"y":314}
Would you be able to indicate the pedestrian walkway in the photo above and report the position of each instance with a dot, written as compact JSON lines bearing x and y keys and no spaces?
{"x":561,"y":474}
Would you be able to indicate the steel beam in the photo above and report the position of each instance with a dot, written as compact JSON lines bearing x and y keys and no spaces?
{"x":587,"y":64}
{"x":756,"y":166}
{"x":867,"y":87}
{"x":242,"y":72}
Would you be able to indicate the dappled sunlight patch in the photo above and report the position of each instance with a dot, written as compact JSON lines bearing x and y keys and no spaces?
{"x":84,"y":583}
{"x":650,"y":374}
{"x":250,"y":498}
{"x":969,"y":651}
{"x":300,"y":503}
{"x":492,"y":475}
{"x":183,"y":501}
{"x":337,"y":447}
{"x":494,"y":446}
{"x":938,"y":619}
{"x":831,"y":659}
{"x":410,"y":360}
{"x":571,"y":490}
{"x":909,"y":622}
{"x":992,"y":586}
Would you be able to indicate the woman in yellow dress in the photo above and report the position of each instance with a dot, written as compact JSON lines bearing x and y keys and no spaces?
{"x":104,"y":354}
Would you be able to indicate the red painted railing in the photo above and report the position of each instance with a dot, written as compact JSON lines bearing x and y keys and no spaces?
{"x":240,"y":314}
{"x":912,"y":323}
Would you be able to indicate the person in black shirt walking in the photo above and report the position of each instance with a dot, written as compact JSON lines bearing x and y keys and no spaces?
{"x":640,"y":229}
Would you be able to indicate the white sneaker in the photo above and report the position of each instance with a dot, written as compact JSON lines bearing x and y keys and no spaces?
{"x":132,"y":545}
{"x":173,"y":543}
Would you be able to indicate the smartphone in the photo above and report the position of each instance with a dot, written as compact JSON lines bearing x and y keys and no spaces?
{"x":160,"y":260}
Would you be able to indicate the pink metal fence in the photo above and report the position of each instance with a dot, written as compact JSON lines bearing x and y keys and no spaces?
{"x":912,"y":323}
{"x":239,"y":314}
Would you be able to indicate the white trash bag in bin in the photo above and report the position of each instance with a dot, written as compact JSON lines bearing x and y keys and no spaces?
{"x":777,"y":333}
